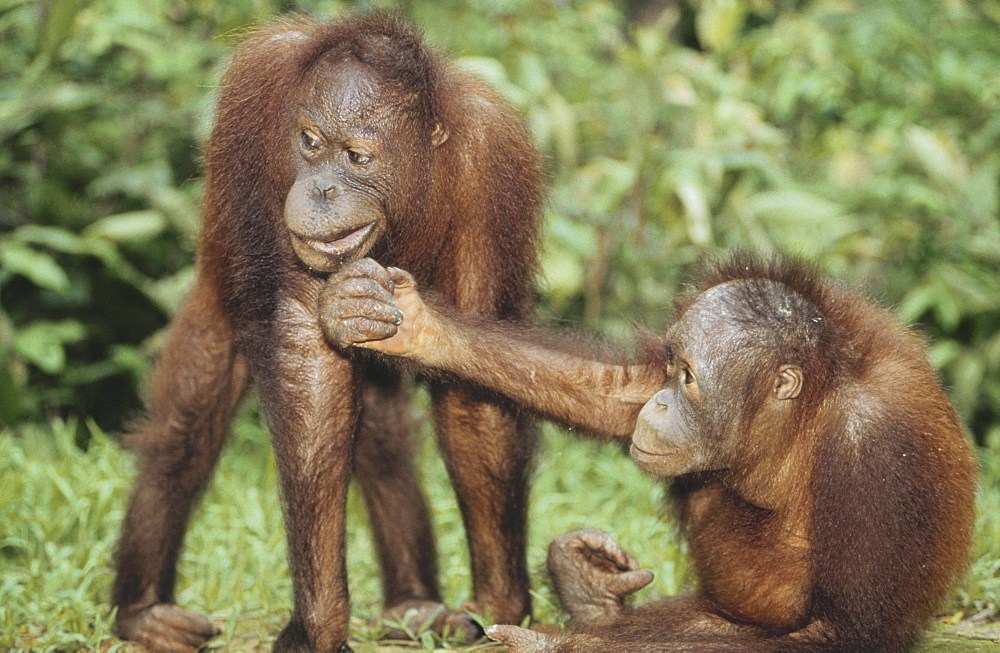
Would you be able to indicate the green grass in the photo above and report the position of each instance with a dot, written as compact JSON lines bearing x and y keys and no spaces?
{"x":60,"y":508}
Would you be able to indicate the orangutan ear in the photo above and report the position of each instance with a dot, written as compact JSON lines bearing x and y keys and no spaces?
{"x":788,"y":383}
{"x":439,"y":135}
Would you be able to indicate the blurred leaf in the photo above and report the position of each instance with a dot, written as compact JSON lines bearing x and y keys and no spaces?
{"x":495,"y":74}
{"x":58,"y":24}
{"x":534,"y":74}
{"x":967,"y":373}
{"x":24,"y":107}
{"x":60,"y":240}
{"x":41,"y":343}
{"x":983,"y":195}
{"x":10,"y":408}
{"x":863,"y":135}
{"x":39,"y":267}
{"x":135,"y":181}
{"x":936,"y":157}
{"x":696,"y":211}
{"x":719,"y":22}
{"x":169,"y":292}
{"x":567,"y":246}
{"x":126,"y":227}
{"x":941,"y":353}
{"x":800,"y":221}
{"x":603,"y":184}
{"x":916,"y":302}
{"x":180,"y":211}
{"x":563,"y":128}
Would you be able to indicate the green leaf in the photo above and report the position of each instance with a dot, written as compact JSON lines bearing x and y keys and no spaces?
{"x":719,"y":23}
{"x":563,"y":121}
{"x":801,"y":221}
{"x":9,"y":391}
{"x":58,"y":25}
{"x":967,"y":373}
{"x":534,"y":74}
{"x":604,"y":184}
{"x":916,"y":302}
{"x":41,"y":343}
{"x":54,"y":238}
{"x":169,"y":292}
{"x":39,"y":267}
{"x":937,"y":157}
{"x":697,"y":216}
{"x":128,"y":227}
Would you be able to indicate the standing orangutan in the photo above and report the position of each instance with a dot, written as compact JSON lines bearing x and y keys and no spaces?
{"x":818,"y":470}
{"x":331,"y":142}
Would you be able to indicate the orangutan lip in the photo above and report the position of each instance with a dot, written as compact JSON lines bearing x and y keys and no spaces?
{"x":345,"y":244}
{"x":642,"y":453}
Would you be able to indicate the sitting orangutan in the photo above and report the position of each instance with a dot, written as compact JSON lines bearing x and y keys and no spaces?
{"x":818,"y":470}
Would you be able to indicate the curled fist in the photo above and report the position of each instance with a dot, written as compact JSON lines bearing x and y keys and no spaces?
{"x":367,"y":305}
{"x":593,"y":575}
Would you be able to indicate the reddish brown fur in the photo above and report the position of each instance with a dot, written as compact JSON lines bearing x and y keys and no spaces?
{"x":891,"y":485}
{"x":833,"y":517}
{"x":888,"y":485}
{"x":466,"y":225}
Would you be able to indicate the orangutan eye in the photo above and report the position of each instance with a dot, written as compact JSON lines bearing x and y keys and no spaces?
{"x":359,"y":157}
{"x":311,"y":143}
{"x":687,"y":378}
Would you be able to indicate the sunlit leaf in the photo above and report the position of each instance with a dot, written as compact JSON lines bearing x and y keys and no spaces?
{"x":563,"y":128}
{"x":128,"y":227}
{"x":801,"y":221}
{"x":936,"y":156}
{"x":719,"y":22}
{"x":966,"y":374}
{"x":696,"y":211}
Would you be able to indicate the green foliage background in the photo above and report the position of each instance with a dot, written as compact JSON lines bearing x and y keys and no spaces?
{"x":861,"y":133}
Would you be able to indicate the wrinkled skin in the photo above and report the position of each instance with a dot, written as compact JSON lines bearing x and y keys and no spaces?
{"x":593,"y":575}
{"x":361,"y":305}
{"x":355,"y":161}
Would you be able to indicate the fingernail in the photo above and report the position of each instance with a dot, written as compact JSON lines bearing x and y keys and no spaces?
{"x":399,"y":318}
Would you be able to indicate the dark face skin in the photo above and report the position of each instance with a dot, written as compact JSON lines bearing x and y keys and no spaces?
{"x":358,"y":154}
{"x":693,"y":423}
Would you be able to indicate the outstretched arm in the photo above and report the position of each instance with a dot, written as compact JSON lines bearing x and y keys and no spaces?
{"x":366,"y":305}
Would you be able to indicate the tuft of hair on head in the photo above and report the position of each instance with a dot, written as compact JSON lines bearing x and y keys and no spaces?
{"x":786,"y":309}
{"x":800,"y":275}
